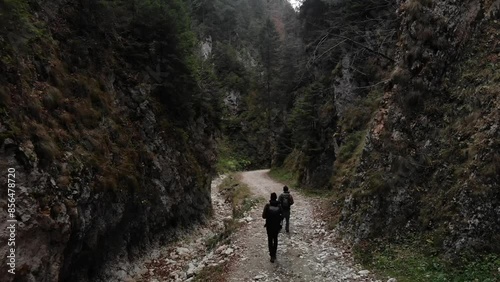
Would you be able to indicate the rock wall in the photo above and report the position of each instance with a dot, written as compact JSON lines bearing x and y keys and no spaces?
{"x":107,"y":160}
{"x":430,"y":164}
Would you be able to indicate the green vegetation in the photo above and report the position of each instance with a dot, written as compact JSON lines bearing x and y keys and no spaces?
{"x":413,"y":262}
{"x":251,"y":42}
{"x":284,"y":176}
{"x":353,"y":145}
{"x":74,"y":99}
{"x":238,"y":194}
{"x":290,"y":179}
{"x":212,"y":273}
{"x":228,"y":160}
{"x":230,"y":227}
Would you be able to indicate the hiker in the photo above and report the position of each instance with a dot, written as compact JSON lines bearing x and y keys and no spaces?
{"x":286,"y":200}
{"x":273,"y":215}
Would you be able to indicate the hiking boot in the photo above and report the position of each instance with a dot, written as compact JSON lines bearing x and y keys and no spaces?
{"x":272,"y":259}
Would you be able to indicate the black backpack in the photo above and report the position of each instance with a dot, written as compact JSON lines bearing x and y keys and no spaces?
{"x":286,"y":201}
{"x":274,"y":215}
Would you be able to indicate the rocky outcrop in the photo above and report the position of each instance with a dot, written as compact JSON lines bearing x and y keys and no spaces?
{"x":430,"y":163}
{"x":109,"y":157}
{"x":400,"y":119}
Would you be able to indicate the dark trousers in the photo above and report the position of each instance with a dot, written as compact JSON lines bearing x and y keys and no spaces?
{"x":272,"y":241}
{"x":286,"y":217}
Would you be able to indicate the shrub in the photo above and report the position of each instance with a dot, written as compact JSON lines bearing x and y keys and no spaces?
{"x":66,"y":119}
{"x":412,"y":7}
{"x":35,"y":110}
{"x":52,"y":98}
{"x":47,"y":152}
{"x":4,"y":97}
{"x":351,"y":143}
{"x":413,"y":100}
{"x":400,"y":76}
{"x":86,"y":115}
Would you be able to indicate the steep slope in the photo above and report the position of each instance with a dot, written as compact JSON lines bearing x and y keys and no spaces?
{"x":109,"y":126}
{"x":430,"y":163}
{"x":399,"y":118}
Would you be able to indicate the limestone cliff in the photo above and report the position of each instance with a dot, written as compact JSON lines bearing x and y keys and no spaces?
{"x":431,"y":163}
{"x":102,"y":117}
{"x":401,"y":120}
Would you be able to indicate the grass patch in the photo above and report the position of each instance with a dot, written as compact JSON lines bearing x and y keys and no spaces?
{"x":348,"y":159}
{"x":284,"y":176}
{"x":412,"y":263}
{"x":238,"y":194}
{"x":375,"y":184}
{"x":212,"y":273}
{"x":290,"y":179}
{"x":353,"y":144}
{"x":230,"y":227}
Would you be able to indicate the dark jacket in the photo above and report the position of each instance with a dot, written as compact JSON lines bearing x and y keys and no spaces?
{"x":273,"y":215}
{"x":290,"y":199}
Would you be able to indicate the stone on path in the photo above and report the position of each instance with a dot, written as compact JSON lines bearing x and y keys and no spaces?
{"x":182,"y":251}
{"x":260,"y":276}
{"x":363,"y":272}
{"x":191,"y":270}
{"x":228,"y":251}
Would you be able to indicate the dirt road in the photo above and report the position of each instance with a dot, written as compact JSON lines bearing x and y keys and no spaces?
{"x":307,"y":253}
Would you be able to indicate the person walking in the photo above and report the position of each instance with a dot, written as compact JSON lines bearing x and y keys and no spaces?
{"x":273,"y":215}
{"x":286,"y":201}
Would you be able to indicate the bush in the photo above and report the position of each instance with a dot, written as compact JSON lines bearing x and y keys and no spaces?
{"x":52,"y":98}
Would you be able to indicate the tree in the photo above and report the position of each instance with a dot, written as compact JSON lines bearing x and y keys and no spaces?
{"x":269,"y":50}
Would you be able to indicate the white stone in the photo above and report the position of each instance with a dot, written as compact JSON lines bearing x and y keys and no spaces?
{"x":221,"y":249}
{"x":228,"y":251}
{"x":182,"y":251}
{"x":121,"y":274}
{"x":191,"y":270}
{"x":392,"y":280}
{"x":363,"y":272}
{"x":142,"y":271}
{"x":258,"y":277}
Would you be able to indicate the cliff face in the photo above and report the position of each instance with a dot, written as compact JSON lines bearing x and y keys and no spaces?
{"x":405,"y":119}
{"x":430,"y":163}
{"x":102,"y":119}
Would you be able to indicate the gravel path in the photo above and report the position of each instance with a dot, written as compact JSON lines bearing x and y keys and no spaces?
{"x":307,"y":253}
{"x":185,"y":258}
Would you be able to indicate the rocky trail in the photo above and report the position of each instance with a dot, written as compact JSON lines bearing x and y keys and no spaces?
{"x":308,"y":253}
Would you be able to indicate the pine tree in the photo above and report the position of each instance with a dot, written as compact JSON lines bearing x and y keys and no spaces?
{"x":269,"y":51}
